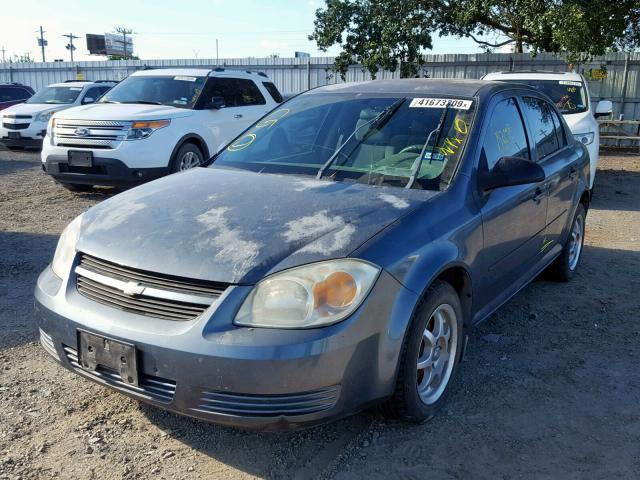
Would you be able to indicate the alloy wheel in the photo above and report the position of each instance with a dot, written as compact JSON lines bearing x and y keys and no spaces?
{"x":437,"y":354}
{"x":189,"y":160}
{"x":575,"y":241}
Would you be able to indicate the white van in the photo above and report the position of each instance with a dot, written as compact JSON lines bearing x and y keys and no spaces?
{"x":153,"y":123}
{"x":25,"y":124}
{"x":570,"y":92}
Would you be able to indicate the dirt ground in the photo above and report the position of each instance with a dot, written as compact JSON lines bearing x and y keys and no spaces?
{"x":553,"y":393}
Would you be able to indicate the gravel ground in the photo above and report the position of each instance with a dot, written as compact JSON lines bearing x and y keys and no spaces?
{"x":550,"y":387}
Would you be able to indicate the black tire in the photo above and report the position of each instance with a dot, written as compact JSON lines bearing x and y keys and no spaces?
{"x":77,"y":187}
{"x":186,"y":151}
{"x":564,"y":267}
{"x":406,"y":403}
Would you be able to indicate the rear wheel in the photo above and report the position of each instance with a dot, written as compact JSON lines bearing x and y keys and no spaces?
{"x":187,"y":157}
{"x":429,"y":357}
{"x":564,"y":267}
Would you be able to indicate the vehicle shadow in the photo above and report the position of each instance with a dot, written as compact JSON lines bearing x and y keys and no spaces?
{"x":508,"y":368}
{"x":615,"y":189}
{"x":22,"y":257}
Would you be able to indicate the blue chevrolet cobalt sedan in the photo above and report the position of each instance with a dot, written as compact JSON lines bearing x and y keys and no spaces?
{"x":330,"y":258}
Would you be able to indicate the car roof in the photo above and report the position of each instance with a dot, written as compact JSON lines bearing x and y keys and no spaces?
{"x":199,"y":72}
{"x":81,"y":83}
{"x":418,"y":86}
{"x":533,"y":75}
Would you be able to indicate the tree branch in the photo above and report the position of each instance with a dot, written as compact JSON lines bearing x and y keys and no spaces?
{"x":494,"y":45}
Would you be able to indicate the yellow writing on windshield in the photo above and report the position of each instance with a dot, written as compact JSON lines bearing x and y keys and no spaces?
{"x":451,"y":144}
{"x":242,"y":142}
{"x":273,"y":118}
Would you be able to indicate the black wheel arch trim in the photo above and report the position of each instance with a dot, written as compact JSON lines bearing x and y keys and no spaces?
{"x":201,"y":144}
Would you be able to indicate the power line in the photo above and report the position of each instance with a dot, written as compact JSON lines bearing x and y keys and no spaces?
{"x":70,"y":45}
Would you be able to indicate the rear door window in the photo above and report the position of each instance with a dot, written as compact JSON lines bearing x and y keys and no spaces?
{"x":505,"y":136}
{"x":541,"y":122}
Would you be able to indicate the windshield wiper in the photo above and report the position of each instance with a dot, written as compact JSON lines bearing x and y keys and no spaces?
{"x":377,"y":121}
{"x":144,"y":102}
{"x":418,"y":162}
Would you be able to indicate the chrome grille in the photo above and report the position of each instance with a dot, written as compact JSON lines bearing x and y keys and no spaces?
{"x":150,"y":387}
{"x":268,"y":405}
{"x":90,"y":133}
{"x":144,"y":293}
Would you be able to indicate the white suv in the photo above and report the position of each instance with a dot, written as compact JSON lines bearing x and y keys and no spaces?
{"x":570,"y":93}
{"x":153,"y":123}
{"x":25,"y":124}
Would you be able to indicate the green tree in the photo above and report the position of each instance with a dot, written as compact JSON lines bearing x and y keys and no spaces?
{"x":378,"y":33}
{"x":121,"y":57}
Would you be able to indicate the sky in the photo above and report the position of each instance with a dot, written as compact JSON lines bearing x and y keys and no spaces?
{"x":175,"y":29}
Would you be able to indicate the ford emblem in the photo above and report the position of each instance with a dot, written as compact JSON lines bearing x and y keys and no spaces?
{"x":81,"y":132}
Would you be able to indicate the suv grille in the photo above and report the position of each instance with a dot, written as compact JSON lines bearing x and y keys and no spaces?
{"x":142,"y":292}
{"x":12,"y":121}
{"x":90,"y":133}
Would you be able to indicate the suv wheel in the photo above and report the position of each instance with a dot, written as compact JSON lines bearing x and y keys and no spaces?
{"x":187,"y":157}
{"x":430,"y":356}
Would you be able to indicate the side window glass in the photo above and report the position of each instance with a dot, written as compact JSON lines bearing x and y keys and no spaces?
{"x":542,"y":127}
{"x":505,"y":136}
{"x":249,"y":93}
{"x":91,"y":93}
{"x":227,"y":89}
{"x":273,"y":91}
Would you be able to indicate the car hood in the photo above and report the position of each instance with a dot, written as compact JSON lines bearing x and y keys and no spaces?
{"x":237,"y":226}
{"x":122,"y":111}
{"x":33,"y":108}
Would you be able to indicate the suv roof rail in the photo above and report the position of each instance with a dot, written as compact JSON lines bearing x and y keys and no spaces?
{"x":533,"y":71}
{"x":250,"y":72}
{"x":12,"y":83}
{"x":105,"y":81}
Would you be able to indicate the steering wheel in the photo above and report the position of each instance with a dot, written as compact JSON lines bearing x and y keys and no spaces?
{"x":411,"y":148}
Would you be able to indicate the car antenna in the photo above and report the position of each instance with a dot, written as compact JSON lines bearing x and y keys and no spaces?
{"x":381,"y":117}
{"x":418,"y":162}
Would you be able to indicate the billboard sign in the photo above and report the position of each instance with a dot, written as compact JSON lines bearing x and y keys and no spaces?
{"x":109,"y":44}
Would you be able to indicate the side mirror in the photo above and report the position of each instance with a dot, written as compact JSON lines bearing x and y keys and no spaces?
{"x":86,"y":100}
{"x":603,"y":109}
{"x":511,"y":171}
{"x":216,"y":103}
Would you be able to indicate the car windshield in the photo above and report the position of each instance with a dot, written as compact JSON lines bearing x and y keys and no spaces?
{"x":176,"y":91}
{"x":569,"y":96}
{"x":395,"y":141}
{"x":56,"y":95}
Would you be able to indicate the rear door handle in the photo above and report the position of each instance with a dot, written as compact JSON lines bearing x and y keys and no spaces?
{"x":237,"y":115}
{"x":538,"y":195}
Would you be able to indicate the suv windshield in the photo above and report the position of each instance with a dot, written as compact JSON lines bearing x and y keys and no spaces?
{"x":56,"y":95}
{"x":393,"y":141}
{"x":175,"y":91}
{"x":569,"y":96}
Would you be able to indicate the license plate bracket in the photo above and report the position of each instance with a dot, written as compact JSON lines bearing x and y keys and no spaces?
{"x":95,"y":351}
{"x":78,"y":158}
{"x":14,"y":135}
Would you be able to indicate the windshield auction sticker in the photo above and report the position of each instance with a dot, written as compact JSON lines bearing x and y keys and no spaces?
{"x":440,"y":103}
{"x":569,"y":82}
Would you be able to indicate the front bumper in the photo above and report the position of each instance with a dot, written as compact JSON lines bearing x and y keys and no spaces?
{"x":245,"y":377}
{"x":30,"y":137}
{"x":104,"y":171}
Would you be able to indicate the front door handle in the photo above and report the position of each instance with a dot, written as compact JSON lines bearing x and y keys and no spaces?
{"x":538,"y":195}
{"x":237,"y":115}
{"x":573,"y":173}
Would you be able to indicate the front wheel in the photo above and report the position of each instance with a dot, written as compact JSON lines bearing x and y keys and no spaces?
{"x":187,"y":157}
{"x":430,"y":356}
{"x":564,"y":267}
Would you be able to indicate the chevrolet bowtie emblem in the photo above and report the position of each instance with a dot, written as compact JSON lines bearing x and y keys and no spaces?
{"x":133,"y":288}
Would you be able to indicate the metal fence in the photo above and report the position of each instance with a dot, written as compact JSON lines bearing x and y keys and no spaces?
{"x":618,"y":79}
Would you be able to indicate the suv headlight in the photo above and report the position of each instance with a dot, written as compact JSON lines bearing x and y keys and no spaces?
{"x":44,"y":116}
{"x":140,"y":130}
{"x":66,"y":249}
{"x":310,"y":296}
{"x":584,"y":138}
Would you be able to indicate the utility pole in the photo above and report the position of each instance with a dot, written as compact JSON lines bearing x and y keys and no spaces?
{"x":70,"y":46}
{"x":217,"y":60}
{"x":42,"y":42}
{"x":124,"y":31}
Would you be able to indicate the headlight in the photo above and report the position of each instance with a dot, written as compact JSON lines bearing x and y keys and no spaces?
{"x":44,"y":116}
{"x":314,"y":295}
{"x":66,"y":249}
{"x":584,"y":138}
{"x":140,"y":130}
